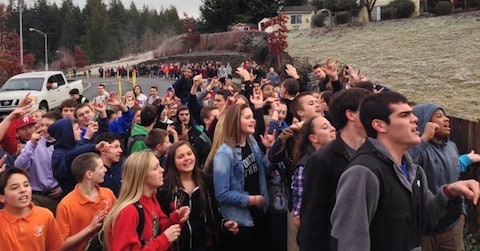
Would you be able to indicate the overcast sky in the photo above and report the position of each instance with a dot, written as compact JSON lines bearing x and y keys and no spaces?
{"x":191,"y":7}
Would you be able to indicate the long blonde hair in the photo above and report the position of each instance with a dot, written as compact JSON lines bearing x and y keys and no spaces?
{"x":227,"y":131}
{"x":218,"y":140}
{"x":135,"y":170}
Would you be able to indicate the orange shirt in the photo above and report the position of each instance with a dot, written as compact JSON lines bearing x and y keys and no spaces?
{"x":37,"y":231}
{"x":75,"y":212}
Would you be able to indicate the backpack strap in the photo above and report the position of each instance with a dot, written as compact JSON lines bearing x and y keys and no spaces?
{"x":204,"y":136}
{"x":141,"y":222}
{"x":132,"y":140}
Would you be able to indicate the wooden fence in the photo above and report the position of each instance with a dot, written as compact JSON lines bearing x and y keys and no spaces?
{"x":465,"y":134}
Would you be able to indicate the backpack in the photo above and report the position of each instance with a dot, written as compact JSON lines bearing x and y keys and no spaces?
{"x":132,"y":140}
{"x":96,"y":242}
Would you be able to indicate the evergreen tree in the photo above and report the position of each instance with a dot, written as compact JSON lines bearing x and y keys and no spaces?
{"x":71,"y":29}
{"x":97,"y":36}
{"x":261,"y":9}
{"x":118,"y":17}
{"x":295,"y":2}
{"x":218,"y":15}
{"x":169,"y":21}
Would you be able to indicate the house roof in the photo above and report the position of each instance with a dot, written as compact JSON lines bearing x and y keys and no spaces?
{"x":302,"y":9}
{"x":244,"y":24}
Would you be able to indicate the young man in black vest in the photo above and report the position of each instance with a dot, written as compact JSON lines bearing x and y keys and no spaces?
{"x":383,"y":201}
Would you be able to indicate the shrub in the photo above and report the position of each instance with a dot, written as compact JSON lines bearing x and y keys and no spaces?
{"x":404,"y":8}
{"x":319,"y":20}
{"x":260,"y":48}
{"x":343,"y":17}
{"x":443,"y":8}
{"x":474,"y":3}
{"x":256,"y":45}
{"x":344,"y":5}
{"x":389,"y":13}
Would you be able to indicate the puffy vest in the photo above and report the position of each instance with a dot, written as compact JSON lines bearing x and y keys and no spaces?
{"x":397,"y":223}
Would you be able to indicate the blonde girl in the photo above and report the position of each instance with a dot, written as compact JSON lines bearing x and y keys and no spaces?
{"x":141,"y":176}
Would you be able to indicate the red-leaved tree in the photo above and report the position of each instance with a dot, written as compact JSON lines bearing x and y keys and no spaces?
{"x":190,"y":36}
{"x":10,"y":50}
{"x":277,"y":39}
{"x":79,"y":55}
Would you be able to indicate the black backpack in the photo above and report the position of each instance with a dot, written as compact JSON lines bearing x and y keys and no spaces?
{"x":96,"y":243}
{"x":132,"y":140}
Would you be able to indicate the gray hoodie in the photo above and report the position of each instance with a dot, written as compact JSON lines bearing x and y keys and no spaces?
{"x":439,"y":160}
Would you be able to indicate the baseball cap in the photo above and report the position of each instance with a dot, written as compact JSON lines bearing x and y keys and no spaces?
{"x":21,"y":122}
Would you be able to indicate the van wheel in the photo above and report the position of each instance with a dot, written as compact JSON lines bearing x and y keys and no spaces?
{"x":43,"y":106}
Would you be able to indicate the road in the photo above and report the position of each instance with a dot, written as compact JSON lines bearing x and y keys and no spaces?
{"x":111,"y":84}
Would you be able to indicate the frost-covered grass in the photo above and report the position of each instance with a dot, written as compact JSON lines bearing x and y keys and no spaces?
{"x":434,"y":59}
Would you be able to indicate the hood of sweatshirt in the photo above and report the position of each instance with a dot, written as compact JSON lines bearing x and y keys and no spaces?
{"x":138,"y":130}
{"x":424,"y":113}
{"x":62,"y":131}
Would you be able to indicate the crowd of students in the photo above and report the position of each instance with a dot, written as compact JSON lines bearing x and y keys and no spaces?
{"x":265,"y":164}
{"x":208,"y":69}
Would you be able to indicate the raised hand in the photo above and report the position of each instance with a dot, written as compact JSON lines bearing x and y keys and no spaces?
{"x":26,"y":101}
{"x":35,"y":136}
{"x":268,"y":139}
{"x":101,"y":108}
{"x":429,"y":131}
{"x":114,"y":99}
{"x":92,"y":128}
{"x":102,"y":146}
{"x":19,"y":112}
{"x":291,"y":71}
{"x":244,"y":74}
{"x":257,"y":98}
{"x":172,"y":132}
{"x":330,"y":69}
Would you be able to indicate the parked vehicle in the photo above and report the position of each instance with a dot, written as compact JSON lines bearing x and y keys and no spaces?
{"x":47,"y":90}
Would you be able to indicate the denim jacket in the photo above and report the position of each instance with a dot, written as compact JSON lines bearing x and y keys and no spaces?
{"x":229,"y":181}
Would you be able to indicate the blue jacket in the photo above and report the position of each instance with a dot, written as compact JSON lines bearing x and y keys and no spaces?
{"x":182,"y":88}
{"x":113,"y":176}
{"x":62,"y":131}
{"x":229,"y":182}
{"x":122,"y":124}
{"x":103,"y":126}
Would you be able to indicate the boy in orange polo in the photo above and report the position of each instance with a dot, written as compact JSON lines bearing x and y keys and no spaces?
{"x":80,"y":214}
{"x":23,"y":225}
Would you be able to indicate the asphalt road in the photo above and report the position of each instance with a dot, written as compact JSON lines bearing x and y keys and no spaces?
{"x":111,"y":84}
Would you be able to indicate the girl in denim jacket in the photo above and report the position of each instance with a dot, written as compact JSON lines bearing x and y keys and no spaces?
{"x":239,"y":168}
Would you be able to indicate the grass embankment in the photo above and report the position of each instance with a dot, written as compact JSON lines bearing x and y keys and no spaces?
{"x":432,"y":59}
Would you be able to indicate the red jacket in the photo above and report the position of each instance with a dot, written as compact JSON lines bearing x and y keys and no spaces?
{"x":124,"y":235}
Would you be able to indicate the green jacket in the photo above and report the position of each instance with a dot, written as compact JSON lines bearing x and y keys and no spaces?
{"x":134,"y":144}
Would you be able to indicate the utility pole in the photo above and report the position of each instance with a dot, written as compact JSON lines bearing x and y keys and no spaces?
{"x":20,"y":10}
{"x":44,"y":34}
